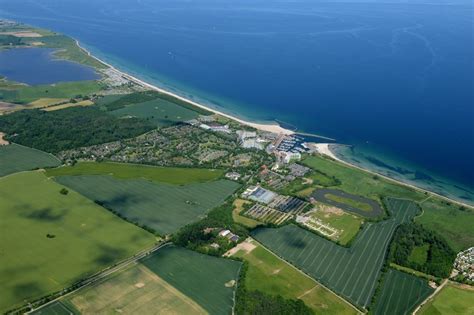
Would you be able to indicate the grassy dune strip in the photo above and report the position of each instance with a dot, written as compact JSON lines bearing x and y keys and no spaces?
{"x":169,"y":175}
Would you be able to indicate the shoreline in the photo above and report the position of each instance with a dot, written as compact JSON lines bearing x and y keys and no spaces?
{"x":322,"y":148}
{"x":275,"y":128}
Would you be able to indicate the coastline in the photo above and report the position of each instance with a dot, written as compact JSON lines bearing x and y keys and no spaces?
{"x":322,"y":148}
{"x":275,"y":128}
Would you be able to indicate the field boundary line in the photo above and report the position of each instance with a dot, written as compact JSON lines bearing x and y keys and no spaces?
{"x":308,"y":276}
{"x":97,"y":277}
{"x":432,"y":295}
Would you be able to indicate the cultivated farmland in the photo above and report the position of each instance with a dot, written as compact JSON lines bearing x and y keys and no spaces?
{"x":169,"y":175}
{"x":57,"y":308}
{"x":136,"y":290}
{"x":400,"y":293}
{"x":351,"y":272}
{"x":209,"y":281}
{"x":162,"y":207}
{"x":50,"y":240}
{"x":16,"y":158}
{"x":161,"y":112}
{"x":272,"y":275}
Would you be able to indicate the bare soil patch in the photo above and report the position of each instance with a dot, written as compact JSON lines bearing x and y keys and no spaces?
{"x":3,"y":141}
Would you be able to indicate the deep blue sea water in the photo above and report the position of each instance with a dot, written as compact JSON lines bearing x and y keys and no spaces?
{"x":35,"y":66}
{"x":395,"y":79}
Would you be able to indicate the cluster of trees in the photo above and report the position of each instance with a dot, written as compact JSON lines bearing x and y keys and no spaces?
{"x":257,"y":302}
{"x":439,"y":257}
{"x":70,"y":128}
{"x":196,"y":237}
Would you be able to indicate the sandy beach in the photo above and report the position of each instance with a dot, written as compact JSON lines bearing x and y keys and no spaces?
{"x":275,"y":128}
{"x":325,"y":149}
{"x":322,"y":148}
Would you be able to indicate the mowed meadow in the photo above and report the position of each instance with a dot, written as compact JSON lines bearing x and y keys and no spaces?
{"x":351,"y":272}
{"x":51,"y":239}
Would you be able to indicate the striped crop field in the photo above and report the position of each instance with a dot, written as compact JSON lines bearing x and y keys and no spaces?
{"x":16,"y":158}
{"x":401,"y":293}
{"x":351,"y":272}
{"x":162,"y":207}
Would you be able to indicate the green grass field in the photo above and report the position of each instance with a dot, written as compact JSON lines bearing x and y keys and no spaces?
{"x":16,"y":158}
{"x":400,"y":294}
{"x":419,"y":254}
{"x":161,"y":112}
{"x":28,"y":94}
{"x":271,"y":275}
{"x":358,"y":182}
{"x":349,"y":224}
{"x":351,"y":202}
{"x":351,"y":272}
{"x":135,"y":290}
{"x":50,"y":240}
{"x":162,"y":207}
{"x":169,"y":175}
{"x":452,"y":299}
{"x":447,"y":220}
{"x":209,"y":281}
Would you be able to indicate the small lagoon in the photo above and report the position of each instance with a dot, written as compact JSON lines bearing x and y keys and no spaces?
{"x":35,"y":66}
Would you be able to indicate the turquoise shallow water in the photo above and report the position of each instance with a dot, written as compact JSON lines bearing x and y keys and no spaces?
{"x":388,"y":78}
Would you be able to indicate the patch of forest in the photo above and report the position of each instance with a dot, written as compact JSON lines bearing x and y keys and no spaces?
{"x":70,"y":128}
{"x":420,"y":249}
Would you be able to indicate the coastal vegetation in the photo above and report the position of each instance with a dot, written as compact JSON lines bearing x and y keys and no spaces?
{"x":156,"y":164}
{"x":160,"y":112}
{"x":26,"y":94}
{"x":449,"y":220}
{"x":51,"y":240}
{"x":16,"y":158}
